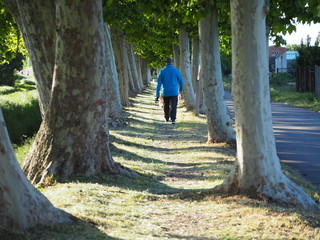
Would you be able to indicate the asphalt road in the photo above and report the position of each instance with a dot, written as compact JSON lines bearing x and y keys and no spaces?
{"x":297,"y":133}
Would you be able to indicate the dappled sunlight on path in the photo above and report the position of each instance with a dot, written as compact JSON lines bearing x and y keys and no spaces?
{"x":178,"y":154}
{"x":175,"y":166}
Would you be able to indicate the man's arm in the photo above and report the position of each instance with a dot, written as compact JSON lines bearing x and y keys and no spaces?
{"x":180,"y":81}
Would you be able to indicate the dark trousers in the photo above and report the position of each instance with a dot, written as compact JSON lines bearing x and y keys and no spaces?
{"x":170,"y":107}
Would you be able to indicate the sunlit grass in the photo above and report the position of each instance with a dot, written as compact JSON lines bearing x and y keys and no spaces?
{"x":22,"y":150}
{"x":22,"y":114}
{"x":288,"y":95}
{"x":19,"y":97}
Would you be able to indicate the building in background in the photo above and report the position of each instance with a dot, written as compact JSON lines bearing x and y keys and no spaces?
{"x":281,"y":60}
{"x":277,"y":59}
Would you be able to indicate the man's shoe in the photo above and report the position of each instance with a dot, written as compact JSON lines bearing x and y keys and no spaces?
{"x":173,"y":122}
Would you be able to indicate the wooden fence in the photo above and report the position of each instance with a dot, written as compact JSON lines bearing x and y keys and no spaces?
{"x":308,"y":79}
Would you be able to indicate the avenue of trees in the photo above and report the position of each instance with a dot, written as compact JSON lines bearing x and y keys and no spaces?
{"x":89,"y":57}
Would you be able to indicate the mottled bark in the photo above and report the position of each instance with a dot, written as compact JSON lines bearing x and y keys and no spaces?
{"x":138,"y":63}
{"x":197,"y":91}
{"x":145,"y":72}
{"x":195,"y":61}
{"x":118,"y":42}
{"x":176,"y":55}
{"x":36,"y":21}
{"x":22,"y":205}
{"x":257,"y":171}
{"x":132,"y":89}
{"x":133,"y":67}
{"x":73,"y":137}
{"x":113,"y":92}
{"x":149,"y":76}
{"x":220,"y":128}
{"x":185,"y":69}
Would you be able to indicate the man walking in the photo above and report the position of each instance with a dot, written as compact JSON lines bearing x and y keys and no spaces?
{"x":171,"y":82}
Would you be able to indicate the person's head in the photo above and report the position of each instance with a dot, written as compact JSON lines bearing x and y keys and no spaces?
{"x":169,"y":61}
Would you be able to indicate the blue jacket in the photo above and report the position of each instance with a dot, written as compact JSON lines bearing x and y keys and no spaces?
{"x":171,"y":80}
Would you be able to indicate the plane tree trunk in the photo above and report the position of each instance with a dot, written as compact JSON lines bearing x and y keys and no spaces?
{"x":119,"y":47}
{"x":113,"y":92}
{"x":73,"y":137}
{"x":22,"y":205}
{"x":145,"y":72}
{"x":176,"y":55}
{"x":185,"y":69}
{"x":132,"y":89}
{"x":195,"y":61}
{"x":220,"y":128}
{"x":138,"y":64}
{"x":133,"y":67}
{"x":42,"y":15}
{"x":257,"y":171}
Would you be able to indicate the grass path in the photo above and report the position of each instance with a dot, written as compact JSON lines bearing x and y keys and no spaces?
{"x":174,"y":163}
{"x":178,"y":154}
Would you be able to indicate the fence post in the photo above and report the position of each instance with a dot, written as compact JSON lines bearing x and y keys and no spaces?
{"x":297,"y":78}
{"x":317,"y":81}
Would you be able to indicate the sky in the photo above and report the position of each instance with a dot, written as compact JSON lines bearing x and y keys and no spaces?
{"x":302,"y":32}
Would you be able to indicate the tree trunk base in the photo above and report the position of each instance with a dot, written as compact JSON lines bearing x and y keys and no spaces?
{"x":202,"y":110}
{"x":126,"y":171}
{"x":117,"y":123}
{"x":231,"y":142}
{"x":22,"y":205}
{"x":281,"y":190}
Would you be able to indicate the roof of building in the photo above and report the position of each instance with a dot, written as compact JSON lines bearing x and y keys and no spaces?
{"x":291,"y":55}
{"x":273,"y":50}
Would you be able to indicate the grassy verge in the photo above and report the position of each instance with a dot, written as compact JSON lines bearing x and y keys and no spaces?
{"x":175,"y":165}
{"x":288,"y":95}
{"x":282,"y":91}
{"x":21,"y":111}
{"x":21,"y":150}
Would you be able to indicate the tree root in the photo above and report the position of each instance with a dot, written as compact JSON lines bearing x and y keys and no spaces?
{"x":280,"y":190}
{"x":126,"y":171}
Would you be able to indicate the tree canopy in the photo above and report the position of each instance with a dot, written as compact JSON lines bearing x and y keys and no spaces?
{"x":152,"y":26}
{"x":12,"y":49}
{"x":10,"y":37}
{"x":283,"y":16}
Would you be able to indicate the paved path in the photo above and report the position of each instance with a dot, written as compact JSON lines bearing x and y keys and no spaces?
{"x":297,"y":133}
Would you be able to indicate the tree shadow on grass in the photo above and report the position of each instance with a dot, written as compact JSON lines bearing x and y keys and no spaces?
{"x":152,"y":148}
{"x":25,"y":88}
{"x":309,"y":217}
{"x":179,"y":132}
{"x":152,"y":183}
{"x":142,"y":183}
{"x":163,"y":131}
{"x":139,"y":119}
{"x":77,"y":229}
{"x":218,"y":165}
{"x":175,"y":236}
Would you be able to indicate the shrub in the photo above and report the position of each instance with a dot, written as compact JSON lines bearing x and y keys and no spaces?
{"x":7,"y":70}
{"x":281,"y":79}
